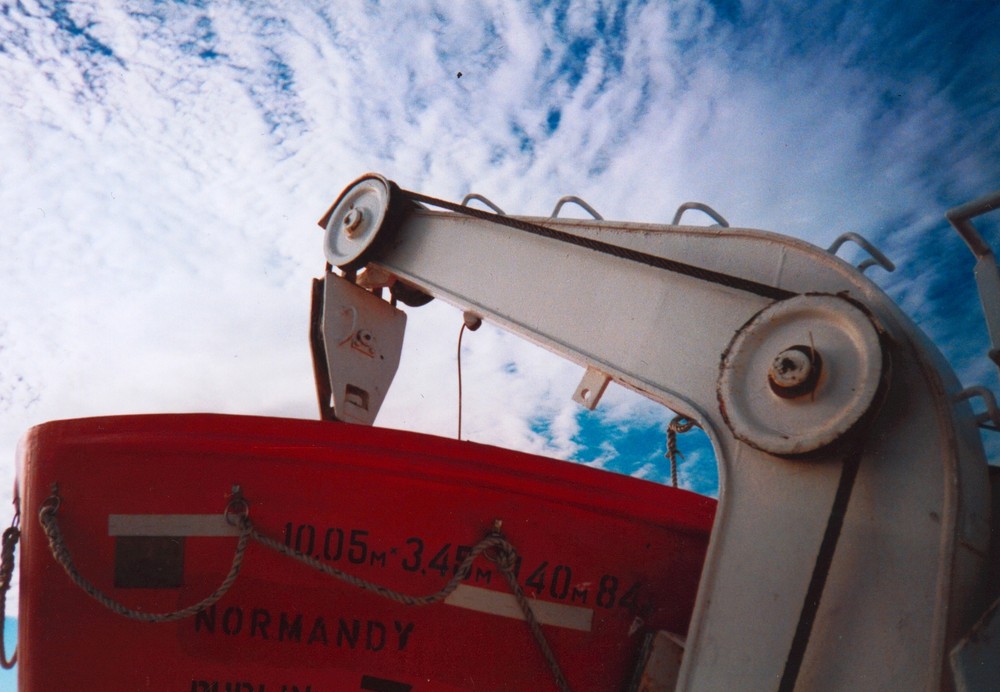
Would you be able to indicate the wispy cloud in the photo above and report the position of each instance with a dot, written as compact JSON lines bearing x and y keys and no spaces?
{"x":164,"y":165}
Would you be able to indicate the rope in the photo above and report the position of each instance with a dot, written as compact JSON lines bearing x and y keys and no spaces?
{"x":10,"y":538}
{"x":680,"y":424}
{"x":493,"y":546}
{"x":406,"y":599}
{"x":533,"y":624}
{"x":47,"y":518}
{"x":505,"y":557}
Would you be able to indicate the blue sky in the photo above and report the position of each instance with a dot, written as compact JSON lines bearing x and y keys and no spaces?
{"x":164,"y":164}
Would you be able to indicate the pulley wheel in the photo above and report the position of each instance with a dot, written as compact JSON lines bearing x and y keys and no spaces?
{"x":354,"y":221}
{"x":800,"y":374}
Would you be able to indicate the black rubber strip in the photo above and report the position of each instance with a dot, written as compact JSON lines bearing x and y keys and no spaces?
{"x":821,"y":570}
{"x":747,"y":285}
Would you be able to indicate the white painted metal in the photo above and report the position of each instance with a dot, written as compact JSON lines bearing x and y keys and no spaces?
{"x":591,"y":388}
{"x":976,"y":659}
{"x":986,"y":271}
{"x":906,"y":579}
{"x":663,"y":663}
{"x":988,"y":282}
{"x":355,"y":219}
{"x":851,"y":372}
{"x":989,"y":417}
{"x":364,"y":337}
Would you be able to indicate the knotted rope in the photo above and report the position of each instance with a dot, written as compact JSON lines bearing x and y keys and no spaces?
{"x":47,"y":518}
{"x":493,"y":547}
{"x":10,"y":538}
{"x":679,"y":424}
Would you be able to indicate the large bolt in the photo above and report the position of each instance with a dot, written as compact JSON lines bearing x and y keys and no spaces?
{"x":352,"y":222}
{"x":795,"y":372}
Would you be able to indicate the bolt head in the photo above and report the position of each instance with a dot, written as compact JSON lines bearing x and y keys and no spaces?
{"x":794,"y":372}
{"x":352,"y":222}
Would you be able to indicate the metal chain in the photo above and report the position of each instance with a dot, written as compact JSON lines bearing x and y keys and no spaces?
{"x":679,"y":424}
{"x":503,"y":554}
{"x":10,"y":539}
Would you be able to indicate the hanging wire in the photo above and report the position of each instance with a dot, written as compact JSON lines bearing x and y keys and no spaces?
{"x":472,"y":321}
{"x":461,"y":332}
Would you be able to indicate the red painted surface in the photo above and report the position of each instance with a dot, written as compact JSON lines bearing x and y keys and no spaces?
{"x":393,"y":507}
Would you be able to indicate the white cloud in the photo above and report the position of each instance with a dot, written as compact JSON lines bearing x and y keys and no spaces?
{"x":159,"y":208}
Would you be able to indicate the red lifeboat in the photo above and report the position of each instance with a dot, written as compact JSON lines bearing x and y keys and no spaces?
{"x":604,"y":560}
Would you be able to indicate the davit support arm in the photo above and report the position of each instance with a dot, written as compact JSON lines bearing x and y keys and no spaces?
{"x":851,"y":543}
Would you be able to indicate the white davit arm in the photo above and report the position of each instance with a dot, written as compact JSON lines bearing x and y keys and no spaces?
{"x":850,"y":544}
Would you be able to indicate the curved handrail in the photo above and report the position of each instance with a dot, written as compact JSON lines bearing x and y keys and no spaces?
{"x":716,"y":216}
{"x":573,"y":199}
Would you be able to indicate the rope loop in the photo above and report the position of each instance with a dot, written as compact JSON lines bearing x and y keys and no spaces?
{"x":50,"y":525}
{"x":237,"y":511}
{"x":52,"y":503}
{"x":679,"y":424}
{"x":502,"y":554}
{"x":10,"y":538}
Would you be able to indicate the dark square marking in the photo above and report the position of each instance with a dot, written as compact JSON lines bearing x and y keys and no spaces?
{"x":149,"y":562}
{"x":370,"y":682}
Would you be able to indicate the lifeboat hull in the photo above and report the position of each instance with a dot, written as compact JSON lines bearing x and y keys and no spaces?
{"x":605,"y":560}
